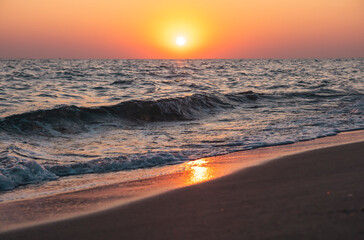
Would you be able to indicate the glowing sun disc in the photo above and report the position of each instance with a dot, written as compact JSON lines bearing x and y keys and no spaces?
{"x":181,"y":41}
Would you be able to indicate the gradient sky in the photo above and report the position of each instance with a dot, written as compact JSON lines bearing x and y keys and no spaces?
{"x":212,"y":28}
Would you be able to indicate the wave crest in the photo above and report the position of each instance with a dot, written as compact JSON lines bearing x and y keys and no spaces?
{"x":73,"y":119}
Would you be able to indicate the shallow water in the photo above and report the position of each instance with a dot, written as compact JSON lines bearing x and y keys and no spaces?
{"x":71,"y":117}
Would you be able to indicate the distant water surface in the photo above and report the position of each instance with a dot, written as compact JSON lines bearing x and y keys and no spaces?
{"x":71,"y":117}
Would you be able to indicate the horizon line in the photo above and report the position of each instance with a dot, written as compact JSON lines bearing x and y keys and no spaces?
{"x":267,"y":58}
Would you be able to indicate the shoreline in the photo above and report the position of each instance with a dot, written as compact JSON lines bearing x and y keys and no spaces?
{"x":314,"y":194}
{"x":107,"y":199}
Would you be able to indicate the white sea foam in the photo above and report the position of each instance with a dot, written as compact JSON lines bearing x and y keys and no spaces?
{"x":25,"y":172}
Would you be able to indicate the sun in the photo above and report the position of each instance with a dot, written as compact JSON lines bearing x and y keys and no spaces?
{"x":181,"y":41}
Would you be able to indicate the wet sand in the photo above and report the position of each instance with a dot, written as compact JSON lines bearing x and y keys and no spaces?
{"x":317,"y":194}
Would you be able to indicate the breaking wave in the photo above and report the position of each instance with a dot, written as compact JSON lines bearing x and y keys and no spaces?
{"x":73,"y":119}
{"x":16,"y":170}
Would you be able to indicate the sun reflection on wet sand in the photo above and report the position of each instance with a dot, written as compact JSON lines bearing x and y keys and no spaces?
{"x":198,"y":171}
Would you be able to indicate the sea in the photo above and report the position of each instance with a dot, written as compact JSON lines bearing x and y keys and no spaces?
{"x":62,"y":118}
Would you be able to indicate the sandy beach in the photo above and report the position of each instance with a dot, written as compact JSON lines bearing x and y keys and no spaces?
{"x":316,"y":194}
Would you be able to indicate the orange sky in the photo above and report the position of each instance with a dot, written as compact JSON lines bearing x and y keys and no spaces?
{"x":212,"y":28}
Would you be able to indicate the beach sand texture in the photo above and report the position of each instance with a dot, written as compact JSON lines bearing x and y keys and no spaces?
{"x":317,"y":194}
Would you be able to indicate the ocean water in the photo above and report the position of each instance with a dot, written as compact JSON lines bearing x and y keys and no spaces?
{"x":75,"y":117}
